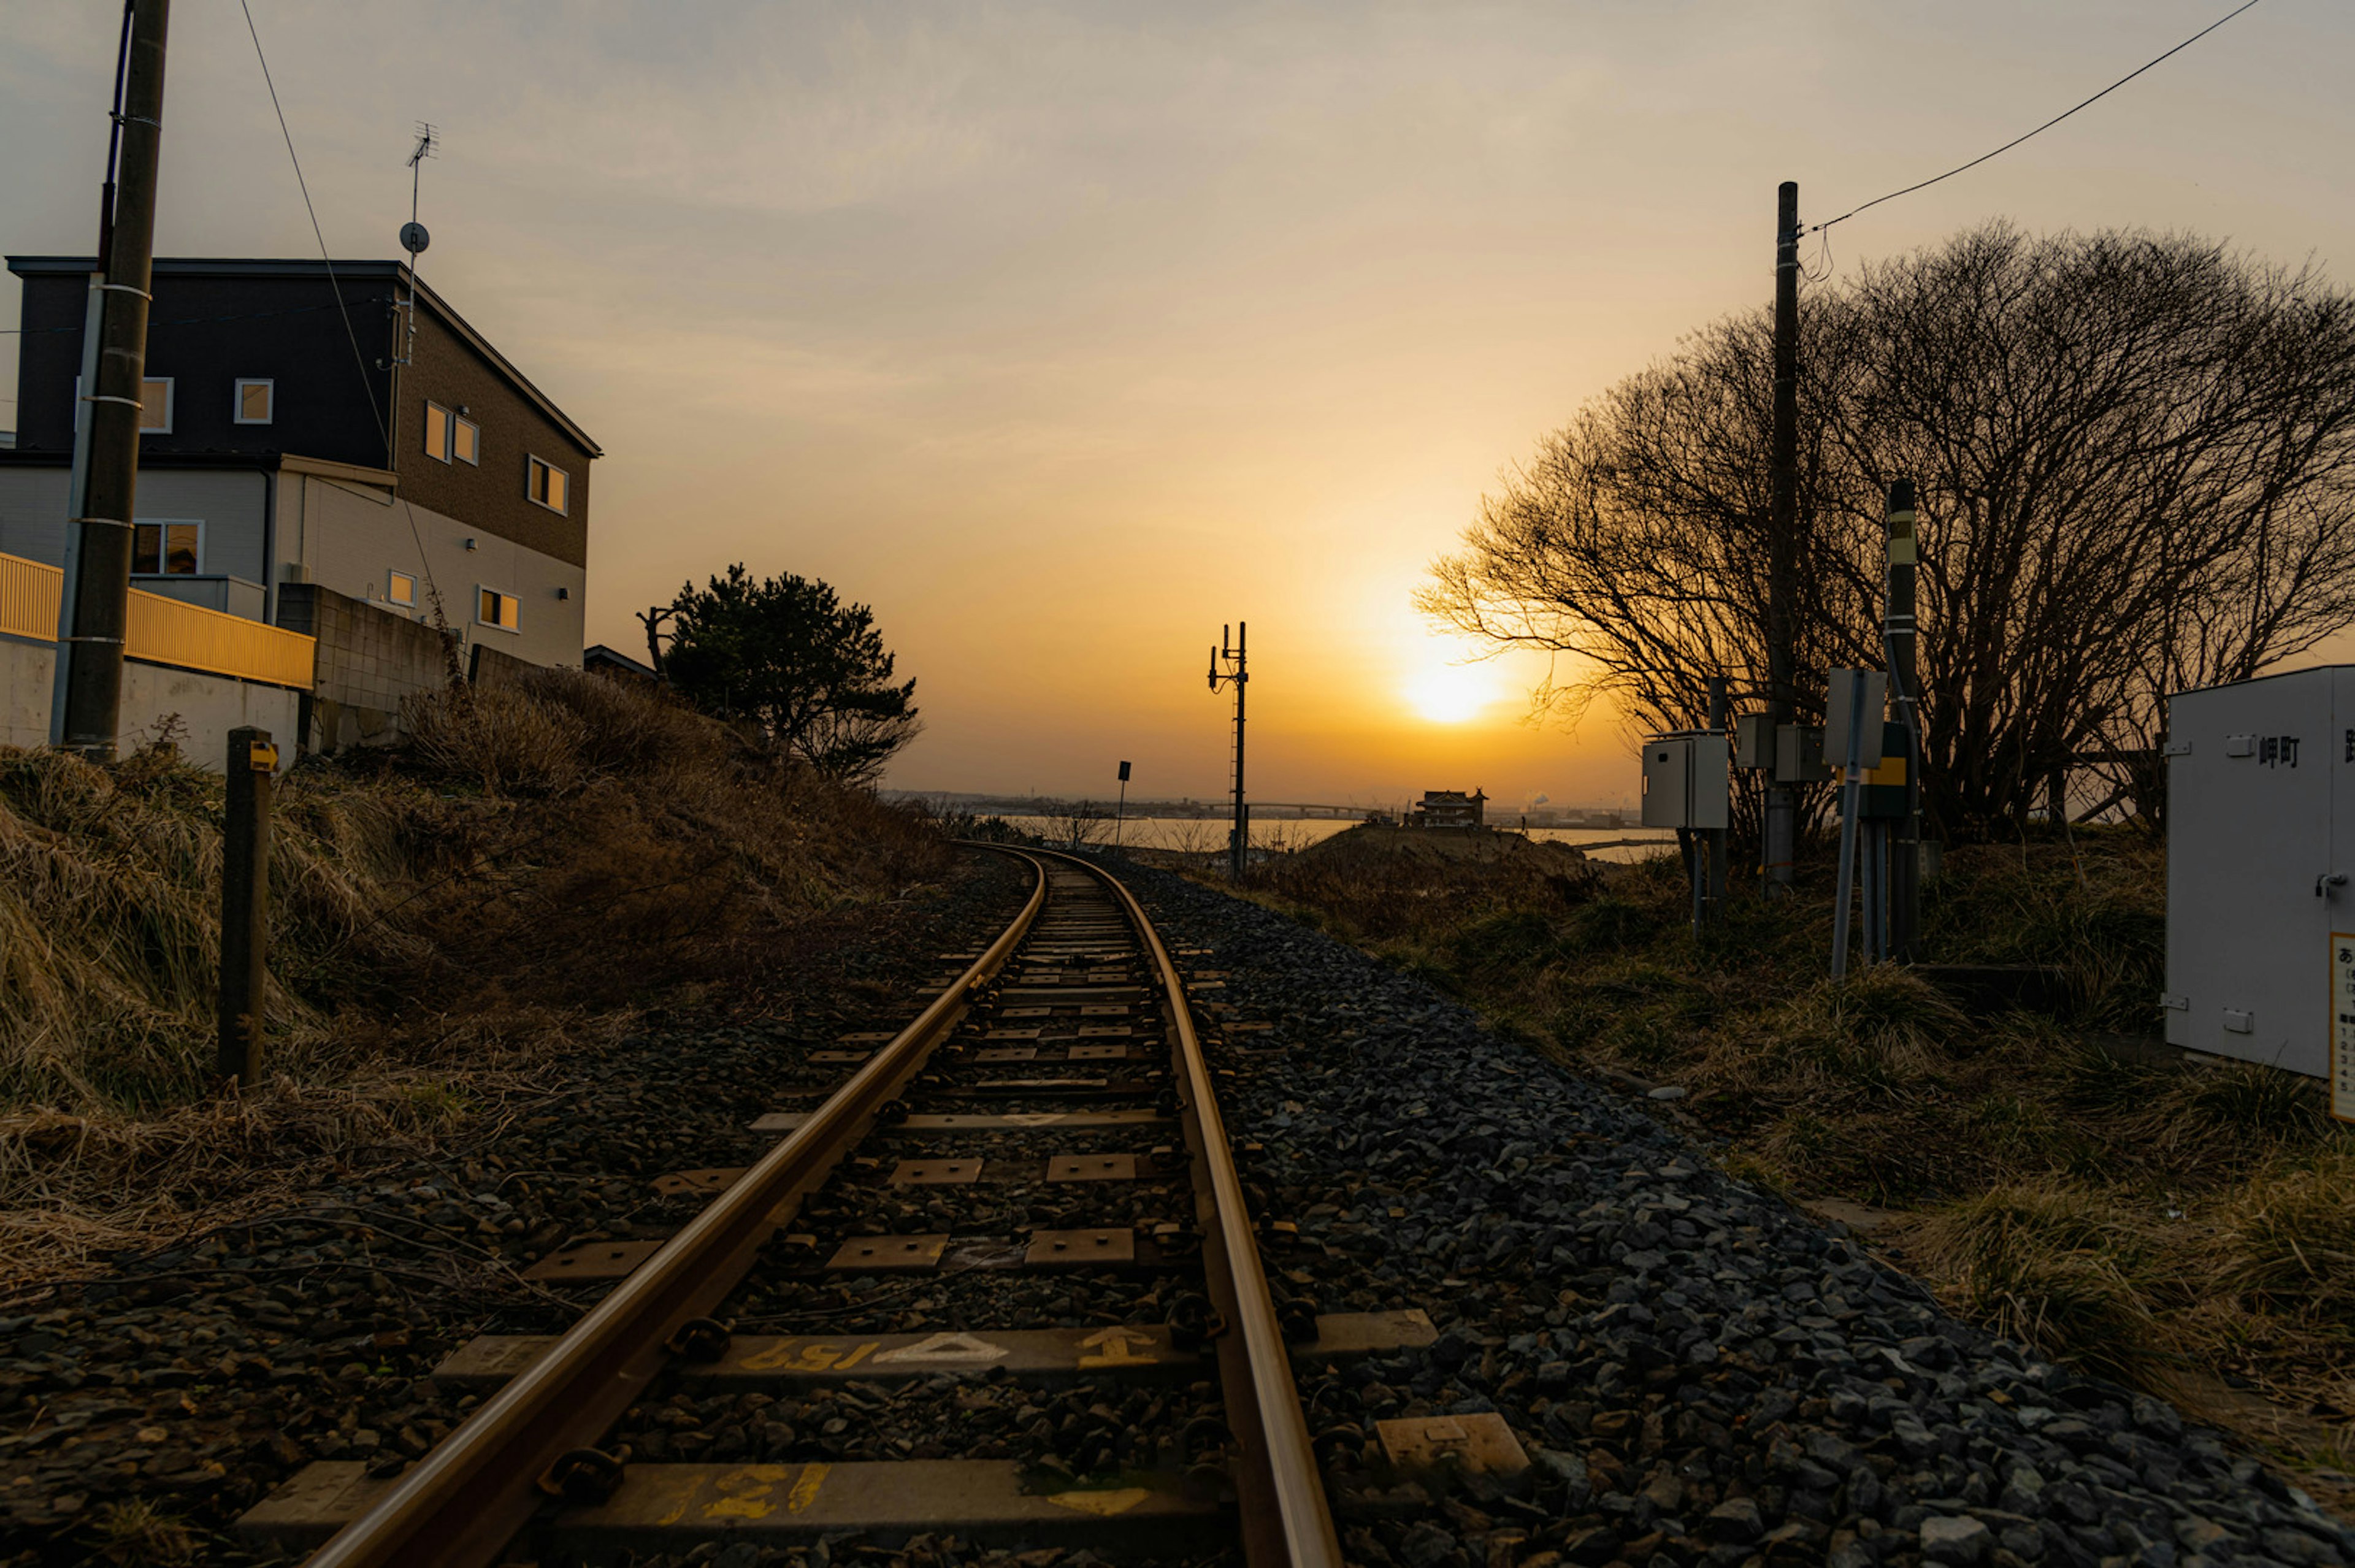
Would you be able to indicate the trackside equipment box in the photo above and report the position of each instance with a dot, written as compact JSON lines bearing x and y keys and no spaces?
{"x":1686,"y":784}
{"x":2261,"y":847}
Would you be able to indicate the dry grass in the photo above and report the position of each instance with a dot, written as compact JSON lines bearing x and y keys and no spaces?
{"x":2181,"y":1229}
{"x":543,"y":858}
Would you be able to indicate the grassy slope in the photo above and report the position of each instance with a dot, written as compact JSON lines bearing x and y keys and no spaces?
{"x":445,"y":917}
{"x":2192,"y":1231}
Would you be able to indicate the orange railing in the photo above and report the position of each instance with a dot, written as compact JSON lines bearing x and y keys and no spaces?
{"x":29,"y":592}
{"x":163,"y":630}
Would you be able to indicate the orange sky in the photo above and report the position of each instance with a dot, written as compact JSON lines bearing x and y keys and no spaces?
{"x":1063,"y":334}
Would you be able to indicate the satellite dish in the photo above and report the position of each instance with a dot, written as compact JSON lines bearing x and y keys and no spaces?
{"x":413,"y":238}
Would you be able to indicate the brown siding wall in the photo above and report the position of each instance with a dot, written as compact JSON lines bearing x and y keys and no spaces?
{"x":491,"y":495}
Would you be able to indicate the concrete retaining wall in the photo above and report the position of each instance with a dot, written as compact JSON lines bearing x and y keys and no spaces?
{"x":368,"y":659}
{"x":197,"y":710}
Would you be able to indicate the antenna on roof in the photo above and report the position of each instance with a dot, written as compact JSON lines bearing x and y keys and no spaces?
{"x":413,"y":237}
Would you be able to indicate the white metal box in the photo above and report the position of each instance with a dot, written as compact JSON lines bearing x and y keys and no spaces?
{"x":1685,"y":781}
{"x":1753,"y":740}
{"x":2260,"y":821}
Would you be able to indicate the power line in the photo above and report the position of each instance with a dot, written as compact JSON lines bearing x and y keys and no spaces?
{"x":424,"y":560}
{"x":316,"y":232}
{"x":2016,"y":141}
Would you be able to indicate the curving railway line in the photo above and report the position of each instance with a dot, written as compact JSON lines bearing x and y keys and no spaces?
{"x":1062,"y":1064}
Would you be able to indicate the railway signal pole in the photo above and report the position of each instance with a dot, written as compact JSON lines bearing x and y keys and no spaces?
{"x":1227,"y":669}
{"x":96,"y":604}
{"x":1783,"y":535}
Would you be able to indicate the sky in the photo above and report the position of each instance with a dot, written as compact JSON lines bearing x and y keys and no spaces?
{"x":1063,"y":334}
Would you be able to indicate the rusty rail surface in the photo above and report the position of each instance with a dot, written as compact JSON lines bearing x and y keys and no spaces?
{"x":461,"y":1504}
{"x":1286,"y":1518}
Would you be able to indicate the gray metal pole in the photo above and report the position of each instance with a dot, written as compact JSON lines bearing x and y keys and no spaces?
{"x":91,"y":649}
{"x":1898,"y":631}
{"x":245,"y":903}
{"x":1851,"y":770}
{"x":1721,"y":716}
{"x":1783,"y":535}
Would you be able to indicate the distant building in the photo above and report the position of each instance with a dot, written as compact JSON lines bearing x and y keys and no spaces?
{"x":601,"y":659}
{"x":318,"y":455}
{"x":277,"y":454}
{"x":1449,"y":809}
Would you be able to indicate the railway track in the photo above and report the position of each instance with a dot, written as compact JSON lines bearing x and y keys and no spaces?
{"x":1050,"y":1112}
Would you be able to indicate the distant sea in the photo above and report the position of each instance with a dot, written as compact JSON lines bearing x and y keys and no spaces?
{"x":1207,"y":835}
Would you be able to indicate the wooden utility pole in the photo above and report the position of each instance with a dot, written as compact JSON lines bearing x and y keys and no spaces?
{"x":1783,"y":535}
{"x":1898,"y":628}
{"x":90,"y":647}
{"x":245,"y":903}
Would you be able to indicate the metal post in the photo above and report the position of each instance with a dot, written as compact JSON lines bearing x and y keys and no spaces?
{"x":1782,"y":534}
{"x":1120,"y":816}
{"x":1851,"y":780}
{"x":91,"y":648}
{"x":1721,"y":716}
{"x":245,"y":903}
{"x":1228,"y":667}
{"x":1898,"y":634}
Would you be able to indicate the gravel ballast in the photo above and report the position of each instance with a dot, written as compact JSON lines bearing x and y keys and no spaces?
{"x":1701,"y":1372}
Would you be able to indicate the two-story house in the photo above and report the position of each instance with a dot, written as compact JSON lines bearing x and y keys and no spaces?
{"x":305,"y":427}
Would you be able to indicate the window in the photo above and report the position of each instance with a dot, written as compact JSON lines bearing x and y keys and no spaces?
{"x":399,"y":588}
{"x":437,"y":432}
{"x":155,"y":406}
{"x":167,"y":549}
{"x":546,"y":485}
{"x":257,"y":399}
{"x":465,"y":440}
{"x":493,"y":608}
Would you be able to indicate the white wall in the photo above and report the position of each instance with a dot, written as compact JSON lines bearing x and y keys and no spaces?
{"x":350,"y":537}
{"x":229,"y":505}
{"x":30,"y":670}
{"x":207,"y":707}
{"x":33,"y":512}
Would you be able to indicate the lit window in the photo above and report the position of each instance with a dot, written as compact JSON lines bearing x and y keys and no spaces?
{"x":465,"y":440}
{"x":402,"y":589}
{"x":437,"y":432}
{"x":167,"y":549}
{"x":256,"y":399}
{"x":494,"y":608}
{"x":155,"y":406}
{"x":547,"y":486}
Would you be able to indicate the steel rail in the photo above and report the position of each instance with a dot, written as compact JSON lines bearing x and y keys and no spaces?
{"x":461,"y":1504}
{"x":1286,"y":1518}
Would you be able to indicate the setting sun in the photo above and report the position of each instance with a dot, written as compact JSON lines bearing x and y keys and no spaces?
{"x":1450,"y":694}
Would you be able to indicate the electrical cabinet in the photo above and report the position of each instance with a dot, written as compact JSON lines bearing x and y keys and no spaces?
{"x":1753,"y":740}
{"x":1686,"y":783}
{"x":2261,"y":846}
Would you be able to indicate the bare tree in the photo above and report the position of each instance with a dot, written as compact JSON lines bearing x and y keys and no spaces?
{"x":2134,"y":459}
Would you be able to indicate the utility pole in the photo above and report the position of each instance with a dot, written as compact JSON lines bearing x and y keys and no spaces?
{"x":1227,"y":667}
{"x":1897,"y":631}
{"x":1783,"y":535}
{"x":90,"y":645}
{"x":1721,"y":720}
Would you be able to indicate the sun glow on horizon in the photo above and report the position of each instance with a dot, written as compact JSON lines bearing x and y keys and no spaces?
{"x":1451,"y":693}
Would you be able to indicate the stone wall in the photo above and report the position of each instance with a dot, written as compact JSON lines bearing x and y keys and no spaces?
{"x":368,"y":659}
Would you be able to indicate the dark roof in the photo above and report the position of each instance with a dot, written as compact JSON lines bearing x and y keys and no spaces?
{"x":600,"y":653}
{"x":397,"y":272}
